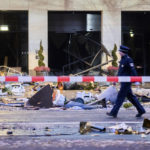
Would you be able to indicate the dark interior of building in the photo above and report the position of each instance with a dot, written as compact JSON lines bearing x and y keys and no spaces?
{"x":136,"y":35}
{"x":73,"y":41}
{"x":14,"y":39}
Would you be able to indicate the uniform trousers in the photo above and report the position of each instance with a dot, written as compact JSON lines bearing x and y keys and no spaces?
{"x":126,"y":91}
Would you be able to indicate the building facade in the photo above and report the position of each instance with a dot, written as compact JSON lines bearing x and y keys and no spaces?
{"x":110,"y":10}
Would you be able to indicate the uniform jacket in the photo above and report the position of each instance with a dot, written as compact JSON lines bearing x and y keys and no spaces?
{"x":126,"y":67}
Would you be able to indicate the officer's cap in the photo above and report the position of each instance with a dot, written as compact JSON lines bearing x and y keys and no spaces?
{"x":124,"y":49}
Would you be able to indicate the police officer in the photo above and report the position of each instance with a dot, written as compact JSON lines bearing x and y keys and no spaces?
{"x":126,"y":68}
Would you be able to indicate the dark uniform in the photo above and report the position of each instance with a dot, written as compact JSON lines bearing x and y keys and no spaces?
{"x":126,"y":68}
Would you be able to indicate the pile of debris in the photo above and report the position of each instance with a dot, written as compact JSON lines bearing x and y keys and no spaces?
{"x":143,"y":94}
{"x":86,"y":127}
{"x":12,"y":89}
{"x":47,"y":96}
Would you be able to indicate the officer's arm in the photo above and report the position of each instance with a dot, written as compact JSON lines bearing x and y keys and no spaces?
{"x":132,"y":67}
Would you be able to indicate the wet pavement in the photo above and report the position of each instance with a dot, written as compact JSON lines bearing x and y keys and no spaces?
{"x":47,"y":143}
{"x":56,"y":128}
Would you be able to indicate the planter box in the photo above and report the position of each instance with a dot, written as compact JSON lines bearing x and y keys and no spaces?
{"x":41,"y":73}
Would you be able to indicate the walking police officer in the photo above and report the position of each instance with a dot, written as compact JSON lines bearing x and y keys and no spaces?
{"x":126,"y":68}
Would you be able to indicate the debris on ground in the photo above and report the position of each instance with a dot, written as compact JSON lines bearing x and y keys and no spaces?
{"x":125,"y":129}
{"x":15,"y":89}
{"x":120,"y":129}
{"x":86,"y":96}
{"x":109,"y":94}
{"x":127,"y":105}
{"x":146,"y":123}
{"x":37,"y":87}
{"x":13,"y":104}
{"x":42,"y":98}
{"x":9,"y":132}
{"x":80,"y":86}
{"x":58,"y":98}
{"x":3,"y":92}
{"x":86,"y":127}
{"x":143,"y":94}
{"x":78,"y":104}
{"x":33,"y":96}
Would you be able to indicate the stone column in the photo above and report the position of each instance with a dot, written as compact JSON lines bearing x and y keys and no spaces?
{"x":38,"y":30}
{"x":111,"y":29}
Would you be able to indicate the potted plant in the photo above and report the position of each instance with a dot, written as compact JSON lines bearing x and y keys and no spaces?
{"x":41,"y":69}
{"x":112,"y":70}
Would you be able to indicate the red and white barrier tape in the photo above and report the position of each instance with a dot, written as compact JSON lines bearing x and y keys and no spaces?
{"x":74,"y":78}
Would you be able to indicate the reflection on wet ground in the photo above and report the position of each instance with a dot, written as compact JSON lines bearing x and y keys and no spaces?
{"x":67,"y":131}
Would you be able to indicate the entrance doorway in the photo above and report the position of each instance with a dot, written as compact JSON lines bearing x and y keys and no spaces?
{"x":73,"y":41}
{"x":136,"y":35}
{"x":14,"y":39}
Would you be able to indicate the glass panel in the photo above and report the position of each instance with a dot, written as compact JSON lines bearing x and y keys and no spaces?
{"x":136,"y":35}
{"x":74,"y":40}
{"x":14,"y":39}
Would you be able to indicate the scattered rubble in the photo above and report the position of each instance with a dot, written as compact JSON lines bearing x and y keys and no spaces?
{"x":9,"y":132}
{"x":146,"y":123}
{"x":42,"y":98}
{"x":127,"y":105}
{"x":122,"y":128}
{"x":59,"y":99}
{"x":143,"y":94}
{"x":36,"y":96}
{"x":86,"y":127}
{"x":109,"y":94}
{"x":79,"y":104}
{"x":2,"y":93}
{"x":17,"y":89}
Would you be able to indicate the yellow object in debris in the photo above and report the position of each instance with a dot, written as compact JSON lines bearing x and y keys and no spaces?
{"x":54,"y":94}
{"x":60,"y":86}
{"x":2,"y":74}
